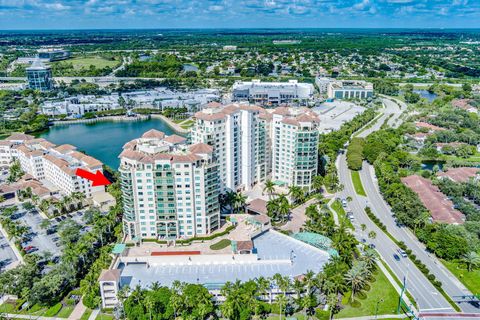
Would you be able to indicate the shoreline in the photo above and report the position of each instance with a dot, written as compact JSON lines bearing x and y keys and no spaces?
{"x":101,"y":119}
{"x":170,"y":123}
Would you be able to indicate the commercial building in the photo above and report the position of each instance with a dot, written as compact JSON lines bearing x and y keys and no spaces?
{"x":349,"y":89}
{"x":39,"y":76}
{"x":252,"y":144}
{"x":54,"y":166}
{"x":77,"y":106}
{"x":268,"y":93}
{"x":170,"y":189}
{"x":53,"y":54}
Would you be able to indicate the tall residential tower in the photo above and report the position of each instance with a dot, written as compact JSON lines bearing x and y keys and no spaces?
{"x":170,"y":189}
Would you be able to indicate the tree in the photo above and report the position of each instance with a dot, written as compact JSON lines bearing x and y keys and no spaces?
{"x":471,"y":259}
{"x":282,"y":302}
{"x":372,"y":235}
{"x":317,"y":183}
{"x":355,"y":277}
{"x":15,"y":172}
{"x":240,"y":202}
{"x":363,"y":226}
{"x":297,"y":194}
{"x":269,"y":188}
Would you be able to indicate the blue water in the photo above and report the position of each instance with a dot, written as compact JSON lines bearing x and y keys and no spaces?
{"x":427,"y":95}
{"x":103,"y":140}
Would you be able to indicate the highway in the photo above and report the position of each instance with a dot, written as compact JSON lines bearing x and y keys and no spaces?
{"x":426,"y":295}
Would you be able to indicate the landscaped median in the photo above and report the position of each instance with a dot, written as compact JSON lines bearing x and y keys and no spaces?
{"x":422,"y":267}
{"x":357,"y":184}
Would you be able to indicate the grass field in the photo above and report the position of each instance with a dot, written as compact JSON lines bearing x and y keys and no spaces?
{"x":104,"y":316}
{"x":473,"y":158}
{"x":86,"y":314}
{"x":471,"y":279}
{"x":380,"y":289}
{"x":86,"y":62}
{"x":357,"y":184}
{"x":220,"y":244}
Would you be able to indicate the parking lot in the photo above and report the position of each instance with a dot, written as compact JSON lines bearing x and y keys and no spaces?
{"x":7,"y":256}
{"x":40,"y":240}
{"x":336,"y":113}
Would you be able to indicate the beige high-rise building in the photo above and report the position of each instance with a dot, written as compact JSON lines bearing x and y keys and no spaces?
{"x":170,"y":189}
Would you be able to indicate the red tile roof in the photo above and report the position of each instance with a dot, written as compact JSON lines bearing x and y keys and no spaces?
{"x":462,"y":174}
{"x":435,"y":201}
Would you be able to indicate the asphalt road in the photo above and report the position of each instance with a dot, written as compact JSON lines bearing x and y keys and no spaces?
{"x":454,"y":288}
{"x":427,"y":296}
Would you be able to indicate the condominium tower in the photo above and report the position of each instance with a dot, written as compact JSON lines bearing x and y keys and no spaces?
{"x":170,"y":189}
{"x":239,"y":137}
{"x":252,"y":144}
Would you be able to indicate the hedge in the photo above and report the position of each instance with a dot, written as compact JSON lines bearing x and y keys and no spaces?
{"x":355,"y":154}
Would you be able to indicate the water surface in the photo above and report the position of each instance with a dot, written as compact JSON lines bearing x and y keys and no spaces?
{"x":103,"y":140}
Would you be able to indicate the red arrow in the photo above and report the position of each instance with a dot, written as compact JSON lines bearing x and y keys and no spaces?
{"x":98,"y":178}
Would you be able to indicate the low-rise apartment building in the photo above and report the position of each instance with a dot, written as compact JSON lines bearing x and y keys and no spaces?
{"x":170,"y":189}
{"x":50,"y":164}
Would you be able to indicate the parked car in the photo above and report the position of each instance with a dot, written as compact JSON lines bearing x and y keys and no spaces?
{"x":396,"y":257}
{"x":371,"y":246}
{"x":344,"y":203}
{"x":26,"y":248}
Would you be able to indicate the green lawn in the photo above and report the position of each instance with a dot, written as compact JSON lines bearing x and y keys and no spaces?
{"x":220,"y":244}
{"x":342,"y":215}
{"x":7,"y":308}
{"x":357,"y":183}
{"x":65,"y":312}
{"x":473,"y":158}
{"x":86,"y":314}
{"x":297,"y":316}
{"x":380,"y":289}
{"x":471,"y":279}
{"x":86,"y":62}
{"x":104,"y":316}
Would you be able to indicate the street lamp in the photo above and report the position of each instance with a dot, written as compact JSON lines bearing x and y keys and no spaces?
{"x":376,"y":308}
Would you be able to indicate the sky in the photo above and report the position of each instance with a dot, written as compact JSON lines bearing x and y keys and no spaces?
{"x":124,"y":14}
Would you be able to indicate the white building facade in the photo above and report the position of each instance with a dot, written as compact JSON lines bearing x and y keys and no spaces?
{"x":239,"y":140}
{"x":349,"y":89}
{"x":273,"y":93}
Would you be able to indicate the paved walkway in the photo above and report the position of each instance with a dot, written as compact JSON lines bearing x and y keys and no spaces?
{"x":77,"y":311}
{"x":94,"y":314}
{"x":298,"y":217}
{"x":383,"y":316}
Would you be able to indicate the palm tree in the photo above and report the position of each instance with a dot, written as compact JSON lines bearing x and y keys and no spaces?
{"x":332,"y":300}
{"x":296,"y":193}
{"x":78,"y":197}
{"x":355,"y":277}
{"x":283,"y":206}
{"x":370,"y":258}
{"x":240,"y":202}
{"x":282,"y":302}
{"x":317,"y":183}
{"x":471,"y":259}
{"x":263,"y":285}
{"x":44,"y":206}
{"x":269,"y":188}
{"x":363,"y":226}
{"x":372,"y":234}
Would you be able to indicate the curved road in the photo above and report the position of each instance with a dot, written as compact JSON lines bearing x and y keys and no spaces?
{"x":427,"y":297}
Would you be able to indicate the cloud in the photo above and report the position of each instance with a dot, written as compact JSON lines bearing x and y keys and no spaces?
{"x":244,"y":13}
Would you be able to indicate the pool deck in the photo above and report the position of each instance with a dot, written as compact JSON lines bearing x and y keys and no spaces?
{"x":276,"y":253}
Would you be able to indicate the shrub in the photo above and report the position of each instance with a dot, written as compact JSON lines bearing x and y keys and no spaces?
{"x":431,"y":277}
{"x":355,"y":304}
{"x":322,"y":314}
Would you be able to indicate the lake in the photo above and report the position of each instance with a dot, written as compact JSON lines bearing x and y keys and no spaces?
{"x":426,"y":94}
{"x":103,"y":140}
